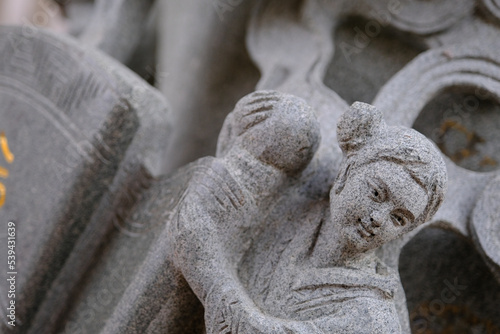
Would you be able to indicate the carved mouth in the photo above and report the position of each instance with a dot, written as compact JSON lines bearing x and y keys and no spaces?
{"x":364,"y":231}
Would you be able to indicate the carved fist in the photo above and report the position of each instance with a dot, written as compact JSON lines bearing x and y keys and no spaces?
{"x":232,"y":311}
{"x":279,"y":129}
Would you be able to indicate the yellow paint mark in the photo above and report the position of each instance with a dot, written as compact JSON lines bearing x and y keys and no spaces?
{"x":472,"y":140}
{"x":450,"y":124}
{"x":2,"y":194}
{"x":465,"y":153}
{"x":3,"y":172}
{"x":488,"y":161}
{"x":5,"y":148}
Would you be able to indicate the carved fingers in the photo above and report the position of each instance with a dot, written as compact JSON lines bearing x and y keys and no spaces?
{"x":232,"y":311}
{"x":258,"y":101}
{"x":278,"y":129}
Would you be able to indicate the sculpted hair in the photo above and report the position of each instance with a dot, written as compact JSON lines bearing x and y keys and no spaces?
{"x":365,"y":138}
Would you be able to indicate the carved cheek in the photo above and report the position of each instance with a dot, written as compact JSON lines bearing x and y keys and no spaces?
{"x":359,"y":200}
{"x":359,"y":191}
{"x":392,"y":231}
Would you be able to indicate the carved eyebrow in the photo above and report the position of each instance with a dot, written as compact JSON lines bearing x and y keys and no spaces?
{"x":382,"y":184}
{"x":263,"y":93}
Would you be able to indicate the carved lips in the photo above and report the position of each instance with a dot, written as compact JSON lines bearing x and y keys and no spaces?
{"x":364,"y":231}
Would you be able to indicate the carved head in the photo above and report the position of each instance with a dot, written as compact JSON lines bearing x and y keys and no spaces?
{"x":392,"y":179}
{"x":278,"y":129}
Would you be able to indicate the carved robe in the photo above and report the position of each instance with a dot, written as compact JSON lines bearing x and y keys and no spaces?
{"x":210,"y":231}
{"x":336,"y":299}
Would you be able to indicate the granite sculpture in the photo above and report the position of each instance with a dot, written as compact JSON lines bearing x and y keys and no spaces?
{"x":383,"y":53}
{"x":80,"y":125}
{"x":392,"y":180}
{"x":267,"y":140}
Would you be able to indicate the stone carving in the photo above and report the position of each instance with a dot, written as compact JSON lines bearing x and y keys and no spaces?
{"x":110,"y":263}
{"x":435,"y":17}
{"x":453,"y":57}
{"x":266,"y":141}
{"x":392,"y":180}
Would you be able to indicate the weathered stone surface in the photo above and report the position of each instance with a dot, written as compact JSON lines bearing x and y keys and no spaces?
{"x":453,"y":58}
{"x":126,"y":290}
{"x":153,"y":294}
{"x":82,"y":128}
{"x":289,"y":260}
{"x":111,"y":268}
{"x":224,"y":219}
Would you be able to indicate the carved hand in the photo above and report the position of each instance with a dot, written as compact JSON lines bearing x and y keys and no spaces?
{"x":230,"y":310}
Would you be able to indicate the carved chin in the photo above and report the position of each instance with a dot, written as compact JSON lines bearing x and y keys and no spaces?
{"x":362,"y":239}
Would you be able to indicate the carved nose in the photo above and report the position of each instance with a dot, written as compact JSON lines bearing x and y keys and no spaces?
{"x":376,"y":219}
{"x":374,"y":223}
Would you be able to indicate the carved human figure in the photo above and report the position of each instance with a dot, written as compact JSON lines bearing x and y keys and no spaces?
{"x":392,"y":180}
{"x":265,"y":143}
{"x":326,"y":278}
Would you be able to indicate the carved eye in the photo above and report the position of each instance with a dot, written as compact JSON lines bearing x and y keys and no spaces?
{"x":399,"y":219}
{"x":378,"y":192}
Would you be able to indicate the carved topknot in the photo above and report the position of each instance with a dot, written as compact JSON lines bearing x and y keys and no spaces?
{"x":357,"y":126}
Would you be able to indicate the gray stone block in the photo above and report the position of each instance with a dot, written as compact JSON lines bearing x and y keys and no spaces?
{"x":81,"y":128}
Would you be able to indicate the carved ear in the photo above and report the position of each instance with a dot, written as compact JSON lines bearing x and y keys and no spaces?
{"x":357,"y":126}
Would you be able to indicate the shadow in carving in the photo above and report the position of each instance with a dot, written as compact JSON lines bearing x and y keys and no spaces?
{"x":366,"y":57}
{"x":465,"y":128}
{"x":449,"y":289}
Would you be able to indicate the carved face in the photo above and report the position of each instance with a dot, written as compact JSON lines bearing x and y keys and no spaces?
{"x":379,"y":203}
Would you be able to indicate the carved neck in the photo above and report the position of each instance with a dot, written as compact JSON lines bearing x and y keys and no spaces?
{"x":331,"y":249}
{"x":327,"y":251}
{"x":258,"y":178}
{"x":339,"y":256}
